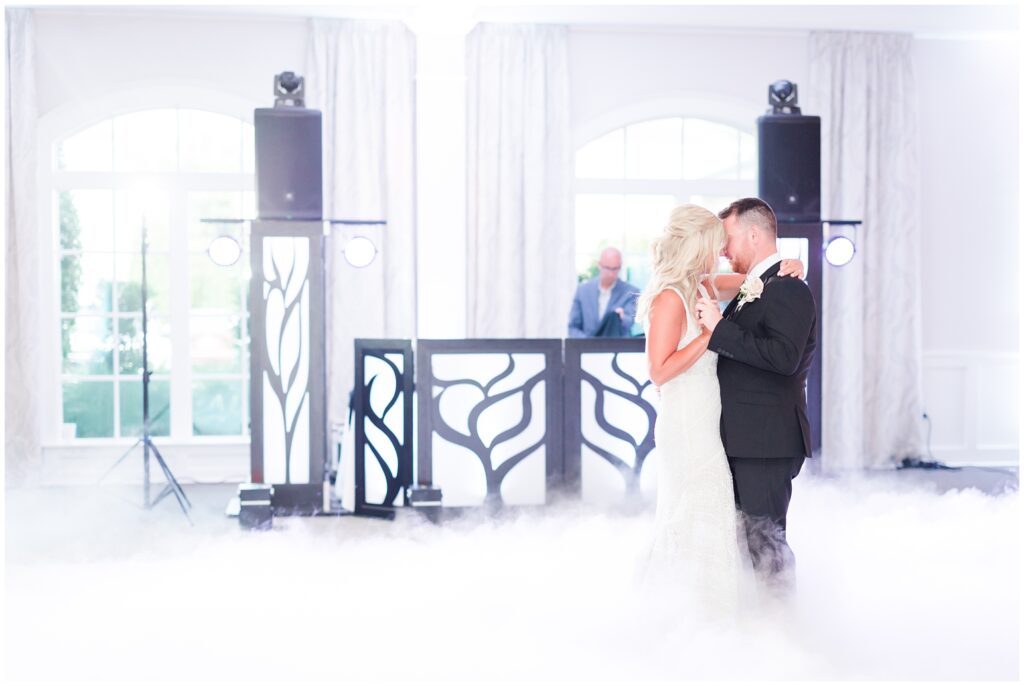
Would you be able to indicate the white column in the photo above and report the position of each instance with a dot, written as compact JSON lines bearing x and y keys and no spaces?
{"x":441,"y":172}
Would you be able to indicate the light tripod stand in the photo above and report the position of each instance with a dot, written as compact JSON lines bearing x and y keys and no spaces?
{"x":146,"y":439}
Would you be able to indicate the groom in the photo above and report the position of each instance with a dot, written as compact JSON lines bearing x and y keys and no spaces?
{"x":765,"y":341}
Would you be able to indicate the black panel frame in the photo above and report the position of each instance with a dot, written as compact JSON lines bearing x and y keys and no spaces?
{"x":575,"y":377}
{"x":429,"y":421}
{"x":814,"y":233}
{"x":289,"y":498}
{"x":399,"y":481}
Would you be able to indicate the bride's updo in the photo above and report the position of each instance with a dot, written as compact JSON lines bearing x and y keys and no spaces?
{"x":692,"y":239}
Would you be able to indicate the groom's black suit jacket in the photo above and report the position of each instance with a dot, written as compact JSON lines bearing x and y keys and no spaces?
{"x":765,"y":350}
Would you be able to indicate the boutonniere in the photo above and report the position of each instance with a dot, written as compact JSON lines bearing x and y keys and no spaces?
{"x":751,"y":289}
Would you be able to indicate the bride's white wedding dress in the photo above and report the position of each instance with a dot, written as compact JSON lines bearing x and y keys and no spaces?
{"x":694,"y":550}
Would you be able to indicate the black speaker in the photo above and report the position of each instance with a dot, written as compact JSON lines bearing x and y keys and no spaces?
{"x":789,"y":165}
{"x":289,"y":163}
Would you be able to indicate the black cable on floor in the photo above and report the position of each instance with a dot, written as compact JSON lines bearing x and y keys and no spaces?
{"x":931,"y":462}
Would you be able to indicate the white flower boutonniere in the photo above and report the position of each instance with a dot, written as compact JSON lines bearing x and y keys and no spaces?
{"x":750,"y":290}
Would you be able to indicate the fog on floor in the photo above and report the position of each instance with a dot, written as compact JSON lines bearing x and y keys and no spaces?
{"x":895,"y":581}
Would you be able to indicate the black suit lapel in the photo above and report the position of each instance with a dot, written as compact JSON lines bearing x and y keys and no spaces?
{"x":731,"y":307}
{"x":771,"y":273}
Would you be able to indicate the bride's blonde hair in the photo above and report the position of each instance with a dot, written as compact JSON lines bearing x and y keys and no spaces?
{"x":693,"y":237}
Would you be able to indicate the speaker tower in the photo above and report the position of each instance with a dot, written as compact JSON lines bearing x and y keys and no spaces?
{"x":789,"y":165}
{"x":289,"y":163}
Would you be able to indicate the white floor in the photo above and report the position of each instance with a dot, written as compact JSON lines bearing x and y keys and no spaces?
{"x":898,"y":579}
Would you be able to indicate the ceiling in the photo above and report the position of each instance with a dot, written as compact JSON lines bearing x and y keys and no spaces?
{"x":931,"y":20}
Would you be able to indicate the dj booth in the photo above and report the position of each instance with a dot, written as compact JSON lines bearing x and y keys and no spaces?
{"x":461,"y":423}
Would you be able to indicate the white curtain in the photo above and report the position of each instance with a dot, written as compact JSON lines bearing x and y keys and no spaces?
{"x":863,"y":87}
{"x":22,"y":397}
{"x":360,"y":74}
{"x":520,"y":274}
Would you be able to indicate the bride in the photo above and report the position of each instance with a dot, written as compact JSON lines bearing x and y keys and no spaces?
{"x":695,"y":550}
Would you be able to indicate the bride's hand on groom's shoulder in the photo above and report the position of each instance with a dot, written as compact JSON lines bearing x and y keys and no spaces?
{"x":792,"y":268}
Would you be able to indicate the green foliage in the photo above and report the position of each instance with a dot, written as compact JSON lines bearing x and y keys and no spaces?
{"x":159,"y":407}
{"x":129,"y":295}
{"x":70,"y":267}
{"x":129,"y":346}
{"x":129,"y":332}
{"x":90,"y":405}
{"x":592,"y":271}
{"x":217,"y":408}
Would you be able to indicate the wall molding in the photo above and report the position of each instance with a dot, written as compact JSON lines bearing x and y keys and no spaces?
{"x":972,"y":398}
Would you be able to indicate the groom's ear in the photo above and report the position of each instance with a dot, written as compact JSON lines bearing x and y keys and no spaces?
{"x":755,"y":234}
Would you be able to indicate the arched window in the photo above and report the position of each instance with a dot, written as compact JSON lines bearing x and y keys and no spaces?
{"x":165,"y":169}
{"x":629,"y":179}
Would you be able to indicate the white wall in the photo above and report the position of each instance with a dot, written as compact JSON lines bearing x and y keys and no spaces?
{"x":616,"y":68}
{"x":970,"y":123}
{"x":82,"y":55}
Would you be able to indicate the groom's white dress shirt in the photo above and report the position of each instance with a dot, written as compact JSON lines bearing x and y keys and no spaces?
{"x":758,"y":270}
{"x":764,"y":265}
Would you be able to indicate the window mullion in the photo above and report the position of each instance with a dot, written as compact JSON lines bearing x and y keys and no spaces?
{"x":115,"y":319}
{"x":180,"y":292}
{"x":50,"y":217}
{"x":115,"y":326}
{"x":246,"y":255}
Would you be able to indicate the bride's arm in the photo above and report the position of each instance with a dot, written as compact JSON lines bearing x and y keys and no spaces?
{"x":668,"y":318}
{"x":728,"y":284}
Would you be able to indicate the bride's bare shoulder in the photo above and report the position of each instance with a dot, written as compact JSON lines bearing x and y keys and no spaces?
{"x":669,"y":297}
{"x":667,"y":303}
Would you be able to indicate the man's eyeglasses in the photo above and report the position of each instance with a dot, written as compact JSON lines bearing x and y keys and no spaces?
{"x":611,"y":269}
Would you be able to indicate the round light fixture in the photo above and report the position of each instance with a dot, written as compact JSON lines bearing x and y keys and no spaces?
{"x":224,"y":250}
{"x":360,"y":251}
{"x":840,"y":251}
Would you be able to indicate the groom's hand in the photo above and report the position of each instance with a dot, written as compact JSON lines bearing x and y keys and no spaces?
{"x":708,"y":313}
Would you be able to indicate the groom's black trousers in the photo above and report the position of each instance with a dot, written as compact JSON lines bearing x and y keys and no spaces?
{"x":762,"y":488}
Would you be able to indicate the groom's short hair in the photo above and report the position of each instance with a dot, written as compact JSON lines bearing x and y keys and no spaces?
{"x":754,"y":211}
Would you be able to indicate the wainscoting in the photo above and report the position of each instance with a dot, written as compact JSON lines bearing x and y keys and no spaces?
{"x":972,"y":400}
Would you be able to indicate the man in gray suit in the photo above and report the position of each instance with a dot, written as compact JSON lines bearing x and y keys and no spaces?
{"x":604,"y":305}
